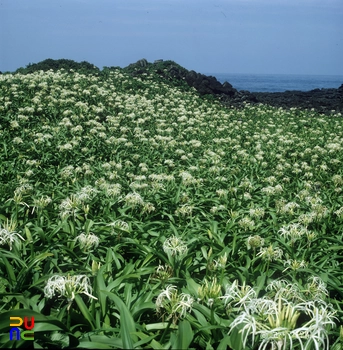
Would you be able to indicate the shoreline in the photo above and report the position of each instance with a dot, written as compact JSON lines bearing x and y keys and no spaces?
{"x":322,"y":100}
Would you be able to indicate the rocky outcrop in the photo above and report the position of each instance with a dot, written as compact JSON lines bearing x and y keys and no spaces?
{"x":204,"y":84}
{"x":169,"y":70}
{"x":321,"y":100}
{"x":208,"y":85}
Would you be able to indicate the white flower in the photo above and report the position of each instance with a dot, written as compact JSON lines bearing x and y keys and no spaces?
{"x":307,"y":218}
{"x":316,"y":288}
{"x":238,"y":294}
{"x":41,"y":202}
{"x":163,"y":272}
{"x":17,"y":140}
{"x":221,"y":193}
{"x":86,"y":193}
{"x":247,"y":195}
{"x":284,"y":324}
{"x":133,"y":199}
{"x":250,"y":327}
{"x":176,"y":305}
{"x":337,"y":180}
{"x":184,"y":210}
{"x":285,"y":289}
{"x":255,"y":242}
{"x":68,"y":286}
{"x":175,"y":246}
{"x":293,"y":231}
{"x":271,"y":180}
{"x":87,"y":241}
{"x":8,"y":235}
{"x":184,"y":304}
{"x":165,"y":294}
{"x":270,"y":253}
{"x":288,"y":208}
{"x":256,"y":212}
{"x":14,"y":124}
{"x":247,"y":223}
{"x":148,"y":207}
{"x":122,"y":225}
{"x":111,"y":190}
{"x":294,"y":264}
{"x":70,"y":206}
{"x":221,"y":262}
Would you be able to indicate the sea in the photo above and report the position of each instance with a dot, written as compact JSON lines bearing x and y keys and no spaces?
{"x":279,"y":82}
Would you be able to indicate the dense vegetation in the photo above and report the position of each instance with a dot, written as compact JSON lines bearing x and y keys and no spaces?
{"x":55,"y":65}
{"x":135,"y":214}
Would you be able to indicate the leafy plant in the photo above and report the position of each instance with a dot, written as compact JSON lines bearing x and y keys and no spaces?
{"x":136,"y":214}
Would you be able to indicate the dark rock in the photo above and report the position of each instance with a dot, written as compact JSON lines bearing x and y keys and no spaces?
{"x":138,"y":65}
{"x":322,"y":100}
{"x":208,"y":85}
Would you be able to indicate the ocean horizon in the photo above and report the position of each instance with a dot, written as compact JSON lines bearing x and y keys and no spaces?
{"x":279,"y":82}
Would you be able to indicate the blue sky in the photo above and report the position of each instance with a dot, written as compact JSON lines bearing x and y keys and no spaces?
{"x":208,"y":36}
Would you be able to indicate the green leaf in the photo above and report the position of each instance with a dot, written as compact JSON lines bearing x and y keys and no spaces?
{"x":35,"y":260}
{"x":84,"y":310}
{"x":144,"y":339}
{"x":235,"y":339}
{"x":336,"y":247}
{"x":224,"y":343}
{"x":127,"y":324}
{"x":99,"y":287}
{"x":260,"y":282}
{"x":184,"y":336}
{"x":192,"y":286}
{"x":85,"y":344}
{"x":10,"y":271}
{"x":100,"y":341}
{"x":160,"y":325}
{"x":88,"y":225}
{"x":28,"y":235}
{"x":156,"y":345}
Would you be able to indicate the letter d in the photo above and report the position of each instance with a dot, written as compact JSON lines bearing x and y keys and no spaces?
{"x":19,"y":319}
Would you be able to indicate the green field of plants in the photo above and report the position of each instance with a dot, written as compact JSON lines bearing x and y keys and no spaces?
{"x":136,"y":214}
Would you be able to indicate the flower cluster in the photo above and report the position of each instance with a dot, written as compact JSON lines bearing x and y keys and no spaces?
{"x":281,"y":320}
{"x":174,"y":246}
{"x":271,"y":253}
{"x":254,"y":242}
{"x":8,"y":235}
{"x":88,"y":241}
{"x":210,"y":291}
{"x":68,"y":287}
{"x":175,"y":304}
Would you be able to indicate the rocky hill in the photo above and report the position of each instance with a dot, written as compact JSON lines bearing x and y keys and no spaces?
{"x":322,"y":100}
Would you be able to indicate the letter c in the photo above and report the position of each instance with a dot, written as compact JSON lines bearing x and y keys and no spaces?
{"x":27,"y":335}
